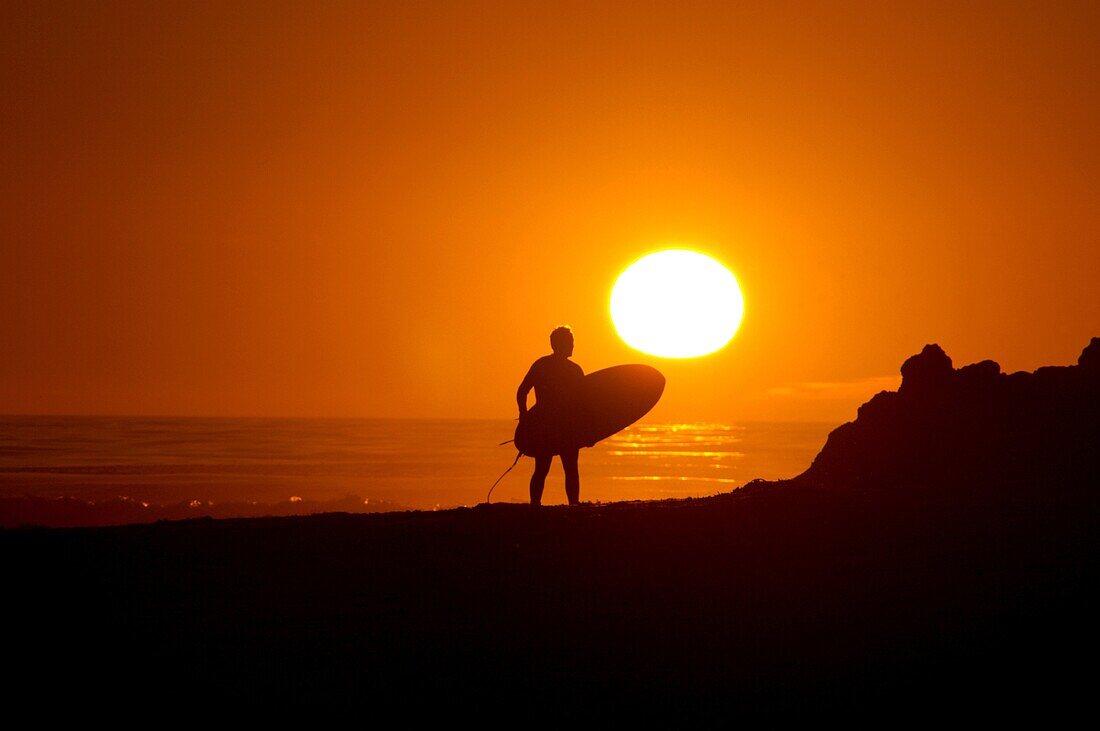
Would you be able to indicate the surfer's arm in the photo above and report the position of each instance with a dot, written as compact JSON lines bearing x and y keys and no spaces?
{"x":521,"y":394}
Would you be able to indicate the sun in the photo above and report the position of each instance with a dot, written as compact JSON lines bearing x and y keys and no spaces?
{"x":676,"y":304}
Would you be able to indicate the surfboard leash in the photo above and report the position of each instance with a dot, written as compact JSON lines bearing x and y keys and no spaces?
{"x":489,"y":497}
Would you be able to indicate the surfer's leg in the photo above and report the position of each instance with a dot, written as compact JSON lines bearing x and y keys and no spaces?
{"x":572,"y":475}
{"x":538,"y":478}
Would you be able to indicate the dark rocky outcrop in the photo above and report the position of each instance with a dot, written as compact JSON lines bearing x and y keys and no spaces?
{"x":971,"y":428}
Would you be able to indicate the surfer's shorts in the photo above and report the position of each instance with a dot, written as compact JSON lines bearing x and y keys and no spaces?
{"x":549,"y":435}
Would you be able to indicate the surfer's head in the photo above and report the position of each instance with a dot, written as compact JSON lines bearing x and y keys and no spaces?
{"x":561,"y":341}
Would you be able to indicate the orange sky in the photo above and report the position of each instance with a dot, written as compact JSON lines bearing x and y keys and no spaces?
{"x":384,"y":210}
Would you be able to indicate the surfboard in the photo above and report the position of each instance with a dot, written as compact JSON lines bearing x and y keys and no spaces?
{"x":610,"y":400}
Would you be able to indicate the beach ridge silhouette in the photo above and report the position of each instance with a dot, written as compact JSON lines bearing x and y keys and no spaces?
{"x":914,"y":559}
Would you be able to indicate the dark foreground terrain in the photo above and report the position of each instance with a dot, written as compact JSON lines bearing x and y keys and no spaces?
{"x":778,"y":594}
{"x":917,"y":591}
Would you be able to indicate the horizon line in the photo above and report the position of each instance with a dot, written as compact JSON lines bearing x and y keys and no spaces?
{"x":383,"y":418}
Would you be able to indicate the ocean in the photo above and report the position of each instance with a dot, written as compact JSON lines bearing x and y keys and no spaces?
{"x":75,"y":470}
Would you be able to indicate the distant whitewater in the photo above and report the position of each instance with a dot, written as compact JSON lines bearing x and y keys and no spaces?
{"x":102,"y":470}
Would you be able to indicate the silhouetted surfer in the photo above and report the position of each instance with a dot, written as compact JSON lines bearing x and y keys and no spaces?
{"x":556,"y":381}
